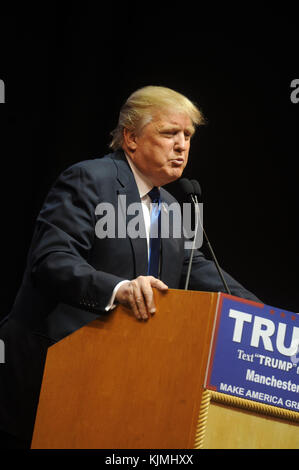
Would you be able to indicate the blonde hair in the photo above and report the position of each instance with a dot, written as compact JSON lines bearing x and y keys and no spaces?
{"x":139,"y":108}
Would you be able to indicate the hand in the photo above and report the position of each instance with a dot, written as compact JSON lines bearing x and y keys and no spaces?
{"x":138,"y":295}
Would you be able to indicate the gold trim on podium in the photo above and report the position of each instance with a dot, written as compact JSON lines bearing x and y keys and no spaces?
{"x":202,"y":419}
{"x":232,"y":401}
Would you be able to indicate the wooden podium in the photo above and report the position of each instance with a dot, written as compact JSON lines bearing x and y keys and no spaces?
{"x":119,"y":383}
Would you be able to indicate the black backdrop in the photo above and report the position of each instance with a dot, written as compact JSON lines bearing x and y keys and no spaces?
{"x":66,"y":75}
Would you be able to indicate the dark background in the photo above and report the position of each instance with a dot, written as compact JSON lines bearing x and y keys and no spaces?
{"x":68,"y":72}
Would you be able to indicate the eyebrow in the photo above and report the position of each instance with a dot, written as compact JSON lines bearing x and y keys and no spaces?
{"x":171,"y":126}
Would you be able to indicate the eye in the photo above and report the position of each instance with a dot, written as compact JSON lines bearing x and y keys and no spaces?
{"x":169,"y":132}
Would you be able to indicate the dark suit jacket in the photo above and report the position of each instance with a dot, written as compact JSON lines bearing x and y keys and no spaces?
{"x":71,"y":274}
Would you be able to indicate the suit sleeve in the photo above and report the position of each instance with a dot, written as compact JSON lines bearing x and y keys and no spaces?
{"x":62,"y":243}
{"x":205,"y":277}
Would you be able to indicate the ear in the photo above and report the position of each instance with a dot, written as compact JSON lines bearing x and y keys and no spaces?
{"x":130,"y":140}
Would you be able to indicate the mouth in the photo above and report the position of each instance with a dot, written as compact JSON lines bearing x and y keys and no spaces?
{"x":179,"y":161}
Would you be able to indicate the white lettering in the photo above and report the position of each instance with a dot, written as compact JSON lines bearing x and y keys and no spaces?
{"x":232,"y":389}
{"x":295,"y":93}
{"x":174,"y":210}
{"x":258,"y":332}
{"x":136,"y":226}
{"x":116,"y":460}
{"x":2,"y":352}
{"x":281,"y":333}
{"x":2,"y":91}
{"x":264,"y":397}
{"x":271,"y":381}
{"x":105,"y":226}
{"x":168,"y":459}
{"x":240,"y":318}
{"x":244,"y":356}
{"x":292,"y":404}
{"x":263,"y":329}
{"x":154,"y":460}
{"x":275,"y":363}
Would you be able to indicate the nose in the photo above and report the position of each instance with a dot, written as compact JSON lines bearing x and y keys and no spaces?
{"x":180,"y":142}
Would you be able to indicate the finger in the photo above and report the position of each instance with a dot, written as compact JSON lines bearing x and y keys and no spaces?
{"x":132,"y":303}
{"x":139,"y":300}
{"x":154,"y":282}
{"x":148,"y":295}
{"x":157,"y":283}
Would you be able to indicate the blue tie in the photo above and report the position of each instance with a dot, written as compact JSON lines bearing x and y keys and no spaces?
{"x":155,"y":233}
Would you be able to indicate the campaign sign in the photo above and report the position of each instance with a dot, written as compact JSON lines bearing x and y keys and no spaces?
{"x":255,"y":353}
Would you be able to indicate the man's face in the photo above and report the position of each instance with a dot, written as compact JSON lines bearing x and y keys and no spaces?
{"x":161,"y":149}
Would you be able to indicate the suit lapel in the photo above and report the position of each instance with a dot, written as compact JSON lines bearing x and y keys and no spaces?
{"x":128,"y":196}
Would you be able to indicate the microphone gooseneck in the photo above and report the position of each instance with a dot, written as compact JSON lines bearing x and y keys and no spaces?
{"x":192,"y":188}
{"x":187,"y":188}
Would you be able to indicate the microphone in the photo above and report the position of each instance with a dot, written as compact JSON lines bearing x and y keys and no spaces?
{"x":196,"y":189}
{"x":186,"y":186}
{"x":192,"y":188}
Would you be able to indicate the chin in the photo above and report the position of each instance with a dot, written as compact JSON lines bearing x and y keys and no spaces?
{"x":176,"y":175}
{"x":170,"y":178}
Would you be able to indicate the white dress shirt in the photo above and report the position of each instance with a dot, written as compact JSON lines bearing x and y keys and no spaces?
{"x":144,"y":186}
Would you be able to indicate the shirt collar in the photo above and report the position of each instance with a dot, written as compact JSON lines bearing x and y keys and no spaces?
{"x":143,"y":184}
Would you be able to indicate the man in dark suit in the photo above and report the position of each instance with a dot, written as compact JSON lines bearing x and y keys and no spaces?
{"x":74,"y":272}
